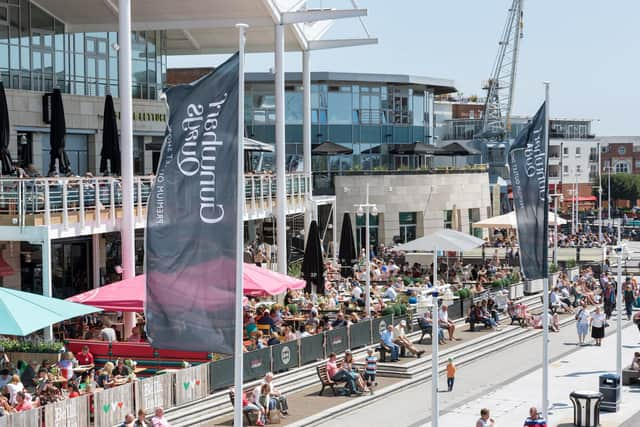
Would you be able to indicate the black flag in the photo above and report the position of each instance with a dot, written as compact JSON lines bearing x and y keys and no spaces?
{"x":528,"y":171}
{"x":192,"y":218}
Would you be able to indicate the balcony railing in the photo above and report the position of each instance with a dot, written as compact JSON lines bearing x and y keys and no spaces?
{"x":46,"y":201}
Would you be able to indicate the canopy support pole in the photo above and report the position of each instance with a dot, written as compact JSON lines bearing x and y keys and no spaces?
{"x":306,"y":138}
{"x":47,"y":284}
{"x":127,"y":231}
{"x":434,"y":344}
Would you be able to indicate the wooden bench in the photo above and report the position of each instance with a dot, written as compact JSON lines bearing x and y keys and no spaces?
{"x":250,"y":417}
{"x":425,"y":329}
{"x":471,"y":320}
{"x":324,"y":378}
{"x":383,"y":349}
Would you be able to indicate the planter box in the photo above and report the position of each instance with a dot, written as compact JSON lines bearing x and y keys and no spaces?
{"x":533,"y":286}
{"x":30,"y":357}
{"x":455,"y":310}
{"x":465,"y":305}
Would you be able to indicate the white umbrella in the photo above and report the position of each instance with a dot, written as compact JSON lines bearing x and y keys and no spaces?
{"x":509,"y":221}
{"x":446,"y":240}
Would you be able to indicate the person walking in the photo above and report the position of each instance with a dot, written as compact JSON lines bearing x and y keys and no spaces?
{"x":582,"y":322}
{"x":598,"y":321}
{"x":628,"y":297}
{"x":609,"y":300}
{"x":451,"y":374}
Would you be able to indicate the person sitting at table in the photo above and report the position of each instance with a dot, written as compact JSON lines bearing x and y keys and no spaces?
{"x":265,"y":319}
{"x":356,"y":294}
{"x":313,"y":319}
{"x":288,"y":334}
{"x":42,"y":380}
{"x":73,"y":390}
{"x":105,"y":376}
{"x":66,"y":364}
{"x":276,"y":315}
{"x":107,"y":333}
{"x":23,"y":402}
{"x":121,"y":370}
{"x":390,"y":293}
{"x":29,"y":375}
{"x":353,"y":319}
{"x":85,"y":358}
{"x":49,"y":394}
{"x":5,"y":408}
{"x":339,"y":322}
{"x":13,"y":388}
{"x":135,"y":335}
{"x":303,"y":331}
{"x":635,"y":362}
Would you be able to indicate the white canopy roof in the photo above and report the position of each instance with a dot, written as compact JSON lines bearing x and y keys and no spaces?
{"x":208,"y":26}
{"x":444,"y":240}
{"x":509,"y":221}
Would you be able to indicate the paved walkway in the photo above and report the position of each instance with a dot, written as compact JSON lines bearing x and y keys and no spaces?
{"x":578,"y":371}
{"x":412,"y":405}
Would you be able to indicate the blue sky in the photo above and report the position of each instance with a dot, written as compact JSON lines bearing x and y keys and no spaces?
{"x":588,"y":49}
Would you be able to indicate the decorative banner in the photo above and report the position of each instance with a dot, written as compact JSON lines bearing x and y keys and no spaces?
{"x":528,"y":171}
{"x":192,"y":218}
{"x":192,"y":383}
{"x":68,"y":413}
{"x":153,"y":392}
{"x":112,"y":404}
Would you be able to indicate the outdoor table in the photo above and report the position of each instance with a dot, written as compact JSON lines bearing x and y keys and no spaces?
{"x":82,"y":369}
{"x":295,"y":320}
{"x":139,"y":370}
{"x":166,"y":371}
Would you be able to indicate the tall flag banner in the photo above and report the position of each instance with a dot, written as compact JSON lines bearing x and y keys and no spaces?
{"x":192,"y":218}
{"x":528,"y":171}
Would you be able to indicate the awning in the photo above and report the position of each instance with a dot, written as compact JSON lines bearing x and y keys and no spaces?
{"x":418,"y":148}
{"x":249,"y":145}
{"x":130,"y":295}
{"x":329,"y":148}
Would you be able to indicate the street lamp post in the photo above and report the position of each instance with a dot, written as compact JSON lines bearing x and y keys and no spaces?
{"x":619,"y":249}
{"x":367,"y":209}
{"x":557,"y":198}
{"x":599,"y":194}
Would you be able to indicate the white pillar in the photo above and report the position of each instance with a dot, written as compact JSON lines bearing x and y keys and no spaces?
{"x":281,"y":185}
{"x":306,"y":137}
{"x":47,"y":284}
{"x":238,"y":353}
{"x":96,"y":257}
{"x":619,"y":311}
{"x":127,"y":232}
{"x":545,"y":296}
{"x":434,"y":344}
{"x":432,"y":125}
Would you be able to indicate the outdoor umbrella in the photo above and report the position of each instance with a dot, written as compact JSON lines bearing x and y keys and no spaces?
{"x":58,"y":131}
{"x":5,"y":156}
{"x":22,"y":313}
{"x":312,"y":263}
{"x":347,"y":252}
{"x":454,"y":149}
{"x":329,"y":148}
{"x":110,"y":144}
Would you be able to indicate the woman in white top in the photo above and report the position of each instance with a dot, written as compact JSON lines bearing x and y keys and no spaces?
{"x":582,"y":323}
{"x":13,"y":388}
{"x":597,"y":325}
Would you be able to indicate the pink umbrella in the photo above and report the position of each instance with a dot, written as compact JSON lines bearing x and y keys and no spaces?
{"x":130,"y":295}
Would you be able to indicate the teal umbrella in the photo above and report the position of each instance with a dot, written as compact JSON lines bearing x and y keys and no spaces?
{"x":22,"y":313}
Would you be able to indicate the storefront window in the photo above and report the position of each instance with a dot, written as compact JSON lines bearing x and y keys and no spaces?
{"x":340,"y":105}
{"x":361,"y":231}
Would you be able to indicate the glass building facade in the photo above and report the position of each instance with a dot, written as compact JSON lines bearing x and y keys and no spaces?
{"x":36,"y":54}
{"x":367,"y":117}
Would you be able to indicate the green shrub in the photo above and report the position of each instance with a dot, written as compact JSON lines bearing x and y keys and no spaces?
{"x":17,"y":346}
{"x":293,"y":308}
{"x":388,"y":310}
{"x":403,"y":309}
{"x":397,"y":311}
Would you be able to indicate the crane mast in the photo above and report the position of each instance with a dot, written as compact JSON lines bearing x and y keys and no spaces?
{"x":500,"y":87}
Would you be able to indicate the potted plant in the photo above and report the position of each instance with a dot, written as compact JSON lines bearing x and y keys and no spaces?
{"x":466,"y":301}
{"x":32,"y":350}
{"x":572,"y":269}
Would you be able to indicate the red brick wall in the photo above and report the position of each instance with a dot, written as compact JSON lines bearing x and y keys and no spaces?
{"x":462,"y":111}
{"x":176,"y":76}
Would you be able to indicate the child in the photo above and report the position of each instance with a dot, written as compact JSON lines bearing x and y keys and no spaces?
{"x":370,"y":369}
{"x":451,"y":374}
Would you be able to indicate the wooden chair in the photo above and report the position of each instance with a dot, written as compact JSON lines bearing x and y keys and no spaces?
{"x":265,"y":329}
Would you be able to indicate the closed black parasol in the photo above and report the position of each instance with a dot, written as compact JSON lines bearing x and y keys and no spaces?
{"x":58,"y":132}
{"x":347,"y":253}
{"x":5,"y":156}
{"x":312,"y":263}
{"x":110,"y":153}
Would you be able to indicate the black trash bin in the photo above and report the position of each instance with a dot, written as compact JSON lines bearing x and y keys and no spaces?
{"x":610,"y":388}
{"x":586,"y":408}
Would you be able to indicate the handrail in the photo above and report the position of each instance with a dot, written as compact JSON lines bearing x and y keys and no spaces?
{"x":47,"y":196}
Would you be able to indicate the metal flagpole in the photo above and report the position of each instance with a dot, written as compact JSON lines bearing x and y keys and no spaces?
{"x":599,"y":194}
{"x":281,"y":179}
{"x":237,"y":357}
{"x":434,"y":344}
{"x":367,"y":297}
{"x":545,"y":296}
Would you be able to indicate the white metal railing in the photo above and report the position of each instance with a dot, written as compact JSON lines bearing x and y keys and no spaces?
{"x":102,"y":196}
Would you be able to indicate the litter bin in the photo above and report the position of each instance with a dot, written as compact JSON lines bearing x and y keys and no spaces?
{"x":610,"y":389}
{"x":586,"y":408}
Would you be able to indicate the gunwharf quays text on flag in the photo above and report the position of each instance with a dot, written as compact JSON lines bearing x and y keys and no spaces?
{"x":529,"y":182}
{"x":192,"y":218}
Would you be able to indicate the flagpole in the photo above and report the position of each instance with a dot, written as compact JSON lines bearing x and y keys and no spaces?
{"x":238,"y":353}
{"x":435,"y":411}
{"x":545,"y":296}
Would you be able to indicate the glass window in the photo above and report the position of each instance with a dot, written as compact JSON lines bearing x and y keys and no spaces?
{"x":361,"y":231}
{"x":447,"y":215}
{"x":622,"y":167}
{"x":408,"y":221}
{"x":339,"y":107}
{"x":418,"y":109}
{"x":293,"y":107}
{"x":622,"y":151}
{"x":578,"y":152}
